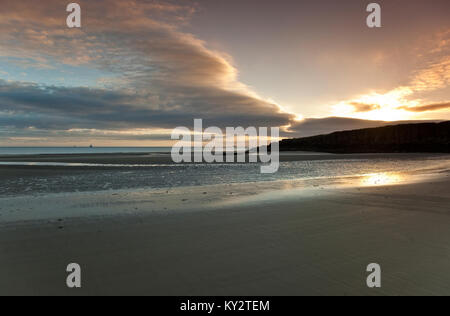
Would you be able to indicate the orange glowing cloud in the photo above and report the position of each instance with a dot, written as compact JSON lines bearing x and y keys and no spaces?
{"x":400,"y":103}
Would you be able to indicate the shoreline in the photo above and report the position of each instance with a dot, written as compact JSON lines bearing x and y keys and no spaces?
{"x":142,"y":201}
{"x":38,"y":180}
{"x":165,"y":158}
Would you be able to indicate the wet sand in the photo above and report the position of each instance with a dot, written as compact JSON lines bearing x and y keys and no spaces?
{"x":164,"y":158}
{"x":278,"y":239}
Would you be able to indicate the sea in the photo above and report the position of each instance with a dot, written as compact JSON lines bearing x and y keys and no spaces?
{"x":79,"y":150}
{"x":71,"y":178}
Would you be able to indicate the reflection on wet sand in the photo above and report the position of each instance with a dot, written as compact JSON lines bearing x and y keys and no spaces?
{"x":383,"y":178}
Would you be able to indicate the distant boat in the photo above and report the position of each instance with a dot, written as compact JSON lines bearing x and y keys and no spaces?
{"x":91,"y":146}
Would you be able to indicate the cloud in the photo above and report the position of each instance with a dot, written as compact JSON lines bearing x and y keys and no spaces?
{"x":435,"y":76}
{"x":417,"y":95}
{"x":312,"y":127}
{"x":428,"y":107}
{"x":364,"y":107}
{"x":163,"y":77}
{"x":83,"y":137}
{"x":58,"y":107}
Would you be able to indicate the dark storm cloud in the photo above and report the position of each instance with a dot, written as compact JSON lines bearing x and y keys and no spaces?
{"x":24,"y":105}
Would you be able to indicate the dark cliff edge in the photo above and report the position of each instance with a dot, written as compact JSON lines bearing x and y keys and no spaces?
{"x":405,"y":138}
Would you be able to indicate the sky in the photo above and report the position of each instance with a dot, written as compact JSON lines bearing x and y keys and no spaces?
{"x":137,"y":69}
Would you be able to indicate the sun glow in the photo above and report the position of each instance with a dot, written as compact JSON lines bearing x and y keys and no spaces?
{"x":376,"y":106}
{"x":378,"y":179}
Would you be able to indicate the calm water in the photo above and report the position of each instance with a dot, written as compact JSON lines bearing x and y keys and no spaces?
{"x":79,"y":150}
{"x":72,"y":179}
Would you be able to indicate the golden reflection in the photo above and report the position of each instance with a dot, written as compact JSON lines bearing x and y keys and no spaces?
{"x":376,"y":179}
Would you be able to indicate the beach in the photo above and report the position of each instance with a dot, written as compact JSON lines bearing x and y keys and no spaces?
{"x":224,"y":148}
{"x":312,"y":236}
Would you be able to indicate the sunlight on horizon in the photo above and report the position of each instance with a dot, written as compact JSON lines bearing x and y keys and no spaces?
{"x":377,"y":106}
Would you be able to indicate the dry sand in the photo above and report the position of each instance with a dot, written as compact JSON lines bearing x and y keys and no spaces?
{"x":281,"y":238}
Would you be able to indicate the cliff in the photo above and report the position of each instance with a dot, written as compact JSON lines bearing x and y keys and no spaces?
{"x":423,"y":137}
